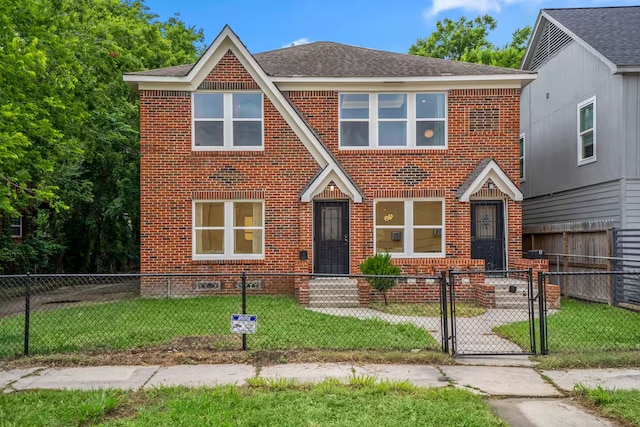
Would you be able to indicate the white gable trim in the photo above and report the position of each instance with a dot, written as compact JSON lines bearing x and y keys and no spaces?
{"x":318,"y":185}
{"x":536,"y":35}
{"x":228,"y":40}
{"x":493,"y":172}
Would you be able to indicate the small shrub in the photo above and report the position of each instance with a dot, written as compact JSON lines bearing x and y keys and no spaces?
{"x":380,"y":265}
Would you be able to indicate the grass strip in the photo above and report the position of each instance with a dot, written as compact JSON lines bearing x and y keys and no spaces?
{"x":620,"y":404}
{"x":326,"y":404}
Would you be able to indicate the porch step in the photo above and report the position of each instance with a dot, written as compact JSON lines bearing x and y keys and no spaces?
{"x":333,"y":292}
{"x":506,"y":299}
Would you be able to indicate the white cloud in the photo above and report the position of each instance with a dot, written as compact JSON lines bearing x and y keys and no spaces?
{"x":480,"y":6}
{"x":302,"y":40}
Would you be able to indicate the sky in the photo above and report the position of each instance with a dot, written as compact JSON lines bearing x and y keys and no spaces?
{"x":393,"y":26}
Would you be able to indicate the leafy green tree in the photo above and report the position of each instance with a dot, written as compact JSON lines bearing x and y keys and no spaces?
{"x":466,"y":40}
{"x":69,"y":151}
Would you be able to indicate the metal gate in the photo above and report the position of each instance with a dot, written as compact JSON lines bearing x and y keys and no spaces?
{"x":490,"y":315}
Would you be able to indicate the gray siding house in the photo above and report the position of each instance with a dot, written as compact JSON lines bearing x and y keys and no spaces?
{"x":580,"y":119}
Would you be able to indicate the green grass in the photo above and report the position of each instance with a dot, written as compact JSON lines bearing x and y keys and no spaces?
{"x":620,"y":404}
{"x":586,"y":360}
{"x":427,"y":310}
{"x":583,"y":327}
{"x":56,"y":408}
{"x":282,"y":324}
{"x":324,"y":404}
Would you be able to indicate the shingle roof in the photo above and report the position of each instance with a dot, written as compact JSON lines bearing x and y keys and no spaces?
{"x":328,"y":59}
{"x":472,"y":176}
{"x":612,"y":31}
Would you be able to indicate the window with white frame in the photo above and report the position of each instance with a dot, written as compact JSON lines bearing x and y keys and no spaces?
{"x":393,"y":120}
{"x":16,"y":227}
{"x":522,"y":142}
{"x":587,"y":131}
{"x":410,"y":228}
{"x":227,"y":121}
{"x":228,"y":229}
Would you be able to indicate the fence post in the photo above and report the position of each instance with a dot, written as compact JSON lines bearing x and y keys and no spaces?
{"x":443,"y":307}
{"x":532,"y":315}
{"x":452,"y":305}
{"x":542,"y":306}
{"x":244,"y":305}
{"x":27,"y":311}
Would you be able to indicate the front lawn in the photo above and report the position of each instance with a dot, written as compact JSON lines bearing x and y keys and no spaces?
{"x":282,"y":324}
{"x":325,"y":404}
{"x":582,"y":327}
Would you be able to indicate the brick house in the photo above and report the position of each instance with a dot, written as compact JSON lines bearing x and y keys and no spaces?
{"x":311,"y":158}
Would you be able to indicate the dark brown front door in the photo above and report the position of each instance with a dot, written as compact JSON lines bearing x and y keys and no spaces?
{"x":487,"y":233}
{"x":331,"y":237}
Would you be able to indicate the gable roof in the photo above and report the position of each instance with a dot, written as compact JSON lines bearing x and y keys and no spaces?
{"x":488,"y":169}
{"x":328,"y":59}
{"x":610,"y":33}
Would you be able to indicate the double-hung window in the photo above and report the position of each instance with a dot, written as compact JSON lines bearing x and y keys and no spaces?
{"x":393,"y":120}
{"x":228,"y":229}
{"x":410,"y":228}
{"x":16,"y":227}
{"x":227,"y":121}
{"x":587,"y":131}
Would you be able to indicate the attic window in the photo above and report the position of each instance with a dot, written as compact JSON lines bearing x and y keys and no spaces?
{"x":551,"y":41}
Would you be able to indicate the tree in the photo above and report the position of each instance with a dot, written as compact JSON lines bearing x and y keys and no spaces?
{"x":380,"y":265}
{"x":466,"y":40}
{"x":69,"y":127}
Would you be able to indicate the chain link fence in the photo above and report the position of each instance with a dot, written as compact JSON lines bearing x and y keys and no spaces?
{"x":589,"y":318}
{"x":462,"y":312}
{"x":43,"y":314}
{"x":485,"y":305}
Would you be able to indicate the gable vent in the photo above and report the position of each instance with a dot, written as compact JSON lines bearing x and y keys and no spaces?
{"x":551,"y":41}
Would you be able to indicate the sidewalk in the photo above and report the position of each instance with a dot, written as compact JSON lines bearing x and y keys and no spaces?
{"x":519,"y":394}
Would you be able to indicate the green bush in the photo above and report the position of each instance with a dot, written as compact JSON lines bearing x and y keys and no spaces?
{"x":380,"y":265}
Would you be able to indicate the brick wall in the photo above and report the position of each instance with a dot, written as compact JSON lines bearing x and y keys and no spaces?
{"x":172,"y":175}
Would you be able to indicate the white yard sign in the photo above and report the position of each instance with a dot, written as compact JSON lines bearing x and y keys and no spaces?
{"x":244,"y":323}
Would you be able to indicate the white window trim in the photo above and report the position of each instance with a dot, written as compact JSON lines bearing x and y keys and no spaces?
{"x":228,"y":232}
{"x":18,"y":227}
{"x":228,"y":120}
{"x":581,"y":105}
{"x":523,"y":175}
{"x":411,"y":121}
{"x":408,"y":230}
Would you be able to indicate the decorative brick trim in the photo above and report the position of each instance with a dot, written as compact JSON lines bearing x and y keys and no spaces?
{"x":484,"y":120}
{"x":405,"y":194}
{"x":227,"y":195}
{"x":328,"y":194}
{"x":165,"y":93}
{"x":228,"y":261}
{"x":227,"y":153}
{"x":484,"y":92}
{"x":311,"y":93}
{"x":228,"y":86}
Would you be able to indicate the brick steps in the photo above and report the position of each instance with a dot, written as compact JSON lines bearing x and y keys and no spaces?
{"x":506,"y":299}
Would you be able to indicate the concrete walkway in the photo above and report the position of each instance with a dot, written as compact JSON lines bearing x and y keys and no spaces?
{"x":519,"y":394}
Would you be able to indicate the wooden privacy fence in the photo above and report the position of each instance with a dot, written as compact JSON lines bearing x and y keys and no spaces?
{"x":576,"y":247}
